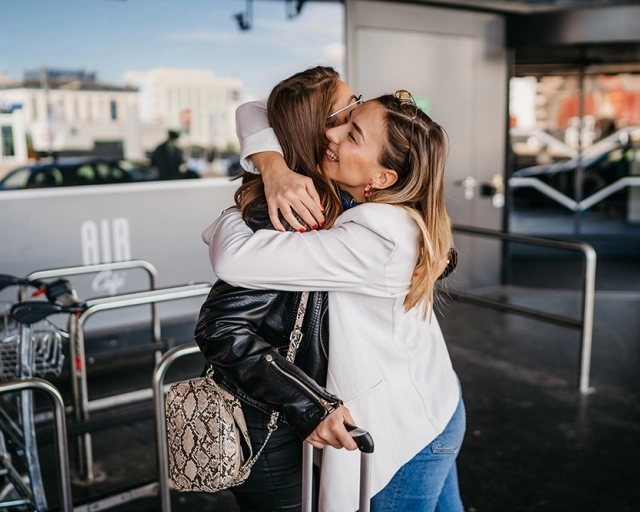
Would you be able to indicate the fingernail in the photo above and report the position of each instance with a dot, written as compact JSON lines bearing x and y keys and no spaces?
{"x":315,"y":226}
{"x":302,"y":230}
{"x":321,"y":206}
{"x":322,"y":223}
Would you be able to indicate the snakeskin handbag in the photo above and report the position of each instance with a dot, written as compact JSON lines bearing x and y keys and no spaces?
{"x":205,"y":425}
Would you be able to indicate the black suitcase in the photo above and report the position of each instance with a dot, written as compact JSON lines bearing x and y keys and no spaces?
{"x":365,"y":445}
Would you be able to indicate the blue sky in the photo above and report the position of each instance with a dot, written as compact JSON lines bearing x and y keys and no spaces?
{"x":112,"y":37}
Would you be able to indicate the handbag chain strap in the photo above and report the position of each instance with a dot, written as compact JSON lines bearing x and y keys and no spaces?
{"x":296,"y":338}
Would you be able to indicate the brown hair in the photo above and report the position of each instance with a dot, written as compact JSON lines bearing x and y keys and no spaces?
{"x":417,"y":150}
{"x":297,"y":110}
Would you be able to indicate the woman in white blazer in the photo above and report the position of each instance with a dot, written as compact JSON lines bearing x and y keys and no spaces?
{"x":387,"y":360}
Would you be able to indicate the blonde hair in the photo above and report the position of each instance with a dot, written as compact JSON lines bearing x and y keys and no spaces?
{"x":417,"y":150}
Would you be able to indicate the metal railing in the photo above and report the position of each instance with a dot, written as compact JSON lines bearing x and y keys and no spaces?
{"x":572,"y":204}
{"x":585,"y":323}
{"x":64,"y":474}
{"x":101,"y":267}
{"x":82,"y":405}
{"x":161,"y":418}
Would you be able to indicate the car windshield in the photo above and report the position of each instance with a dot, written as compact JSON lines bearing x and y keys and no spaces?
{"x":17,"y":179}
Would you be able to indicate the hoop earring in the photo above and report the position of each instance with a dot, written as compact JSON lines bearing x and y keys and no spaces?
{"x":368,"y":190}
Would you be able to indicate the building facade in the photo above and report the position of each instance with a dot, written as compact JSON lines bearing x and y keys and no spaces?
{"x":72,"y":113}
{"x":196,"y":102}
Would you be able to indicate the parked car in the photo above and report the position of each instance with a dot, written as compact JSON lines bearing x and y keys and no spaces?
{"x":71,"y":172}
{"x":603,"y":163}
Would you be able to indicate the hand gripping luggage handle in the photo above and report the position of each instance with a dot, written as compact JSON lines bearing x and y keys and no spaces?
{"x":362,"y":438}
{"x":365,"y":444}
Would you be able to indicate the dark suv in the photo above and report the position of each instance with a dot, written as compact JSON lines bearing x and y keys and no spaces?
{"x":71,"y":172}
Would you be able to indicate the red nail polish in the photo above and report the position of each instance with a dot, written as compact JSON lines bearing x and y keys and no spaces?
{"x":321,"y":206}
{"x":322,"y":223}
{"x":315,"y":226}
{"x":302,"y":230}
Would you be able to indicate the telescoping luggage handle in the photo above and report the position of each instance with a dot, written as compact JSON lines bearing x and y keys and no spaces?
{"x":365,"y":444}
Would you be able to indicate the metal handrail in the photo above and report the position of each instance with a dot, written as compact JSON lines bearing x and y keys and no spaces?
{"x":100,"y":267}
{"x":585,"y":324}
{"x":77,"y":348}
{"x":161,"y":418}
{"x":61,"y":431}
{"x":567,"y":202}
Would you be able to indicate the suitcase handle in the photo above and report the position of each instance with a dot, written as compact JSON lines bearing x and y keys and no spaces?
{"x":365,"y":444}
{"x":362,"y":438}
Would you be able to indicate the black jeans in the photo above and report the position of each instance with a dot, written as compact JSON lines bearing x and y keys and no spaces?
{"x":275,"y":482}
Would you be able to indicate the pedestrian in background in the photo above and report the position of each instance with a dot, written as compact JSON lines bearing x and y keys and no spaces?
{"x":167,"y":158}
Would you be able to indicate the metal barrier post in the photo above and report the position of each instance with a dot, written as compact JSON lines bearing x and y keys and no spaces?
{"x":161,"y":419}
{"x":81,"y":394}
{"x":586,"y":333}
{"x":61,"y":431}
{"x":101,"y":267}
{"x":81,"y":405}
{"x":585,"y":324}
{"x":307,"y":476}
{"x":27,"y":421}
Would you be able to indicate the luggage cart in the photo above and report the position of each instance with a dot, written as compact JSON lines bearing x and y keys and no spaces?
{"x":82,"y":405}
{"x":20,"y":428}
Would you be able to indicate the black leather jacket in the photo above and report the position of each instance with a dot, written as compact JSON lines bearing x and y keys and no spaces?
{"x":244,"y":336}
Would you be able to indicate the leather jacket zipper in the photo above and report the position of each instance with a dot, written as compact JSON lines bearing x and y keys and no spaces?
{"x":326,"y":405}
{"x":321,"y":333}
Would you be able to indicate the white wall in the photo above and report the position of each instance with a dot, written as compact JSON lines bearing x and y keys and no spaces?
{"x":160,"y":222}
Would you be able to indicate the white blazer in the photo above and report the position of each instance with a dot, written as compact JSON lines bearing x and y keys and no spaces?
{"x":390,"y":367}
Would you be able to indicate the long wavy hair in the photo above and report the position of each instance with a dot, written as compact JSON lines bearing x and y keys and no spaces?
{"x":417,"y":150}
{"x":297,"y":110}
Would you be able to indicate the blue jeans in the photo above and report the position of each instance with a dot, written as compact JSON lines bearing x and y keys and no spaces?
{"x":429,"y":481}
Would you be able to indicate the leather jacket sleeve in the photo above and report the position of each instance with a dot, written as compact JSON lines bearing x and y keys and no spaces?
{"x":227,"y":334}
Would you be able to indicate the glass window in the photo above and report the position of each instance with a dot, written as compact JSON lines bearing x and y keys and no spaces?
{"x":114,"y":110}
{"x":103,"y":170}
{"x":85,"y":174}
{"x":46,"y":178}
{"x":17,"y":179}
{"x":117,"y":174}
{"x":7,"y":141}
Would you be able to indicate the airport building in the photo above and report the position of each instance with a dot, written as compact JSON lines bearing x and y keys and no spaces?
{"x":195,"y":102}
{"x":73,"y":113}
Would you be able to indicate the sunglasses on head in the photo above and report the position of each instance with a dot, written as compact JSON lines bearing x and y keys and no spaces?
{"x":407,"y":103}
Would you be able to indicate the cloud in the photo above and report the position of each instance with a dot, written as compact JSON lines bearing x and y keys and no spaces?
{"x":334,"y":53}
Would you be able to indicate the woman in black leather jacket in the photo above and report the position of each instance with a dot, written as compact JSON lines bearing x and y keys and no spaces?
{"x":244,"y":334}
